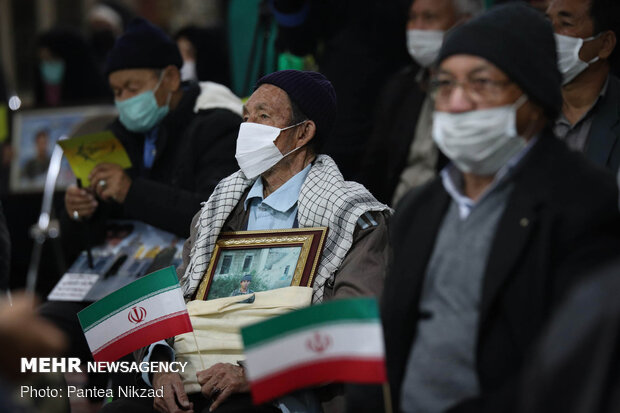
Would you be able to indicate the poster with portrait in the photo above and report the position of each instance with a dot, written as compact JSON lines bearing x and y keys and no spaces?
{"x":35,"y":133}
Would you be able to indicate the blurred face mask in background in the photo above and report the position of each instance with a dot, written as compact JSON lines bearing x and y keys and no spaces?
{"x":424,"y":45}
{"x":569,"y":63}
{"x":52,"y":71}
{"x":141,"y":113}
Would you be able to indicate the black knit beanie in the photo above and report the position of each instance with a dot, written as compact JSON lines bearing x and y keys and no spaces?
{"x":143,"y":46}
{"x":519,"y":41}
{"x":313,"y":94}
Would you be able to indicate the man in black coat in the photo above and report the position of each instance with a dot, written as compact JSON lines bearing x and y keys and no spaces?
{"x":180,"y":140}
{"x":483,"y":253}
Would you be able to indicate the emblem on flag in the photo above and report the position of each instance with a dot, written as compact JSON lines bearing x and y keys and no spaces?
{"x":136,"y":314}
{"x":319,"y":343}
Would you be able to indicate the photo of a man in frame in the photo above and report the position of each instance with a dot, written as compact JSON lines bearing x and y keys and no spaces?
{"x":244,"y":286}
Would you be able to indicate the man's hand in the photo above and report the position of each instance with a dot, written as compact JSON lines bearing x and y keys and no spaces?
{"x":80,"y":203}
{"x":109,"y":181}
{"x":175,"y":399}
{"x":220,"y":381}
{"x":24,"y":334}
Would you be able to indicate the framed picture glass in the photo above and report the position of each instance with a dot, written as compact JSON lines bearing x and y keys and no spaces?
{"x":35,"y":133}
{"x":245,"y":262}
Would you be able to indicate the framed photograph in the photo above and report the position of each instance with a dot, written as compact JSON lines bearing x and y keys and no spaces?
{"x":35,"y":133}
{"x":245,"y":262}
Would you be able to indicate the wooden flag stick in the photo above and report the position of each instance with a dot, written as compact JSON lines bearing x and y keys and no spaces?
{"x":198,"y":350}
{"x":387,"y":399}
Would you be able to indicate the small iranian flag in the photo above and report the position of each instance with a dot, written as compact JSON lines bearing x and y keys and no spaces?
{"x":147,"y":310}
{"x":340,"y":340}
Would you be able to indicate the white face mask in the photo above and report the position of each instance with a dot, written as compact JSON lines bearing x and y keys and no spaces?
{"x":569,"y":63}
{"x":256,"y":150}
{"x":424,"y":45}
{"x":479,"y":141}
{"x":188,"y":70}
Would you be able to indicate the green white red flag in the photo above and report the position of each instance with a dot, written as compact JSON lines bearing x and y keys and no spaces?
{"x":149,"y":309}
{"x":339,"y":341}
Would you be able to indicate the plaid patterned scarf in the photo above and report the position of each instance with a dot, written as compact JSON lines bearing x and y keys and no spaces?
{"x":326,"y":200}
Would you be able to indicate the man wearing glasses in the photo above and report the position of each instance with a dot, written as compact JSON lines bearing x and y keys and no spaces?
{"x":483,"y":253}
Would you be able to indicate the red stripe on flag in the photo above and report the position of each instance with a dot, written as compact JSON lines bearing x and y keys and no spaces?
{"x":141,"y":337}
{"x":355,"y":370}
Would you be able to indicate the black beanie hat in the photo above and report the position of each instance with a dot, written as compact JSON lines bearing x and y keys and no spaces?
{"x":143,"y":46}
{"x":519,"y":41}
{"x":313,"y":94}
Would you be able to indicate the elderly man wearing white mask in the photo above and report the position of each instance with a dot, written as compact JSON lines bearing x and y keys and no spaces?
{"x":282,"y":184}
{"x":587,"y":33}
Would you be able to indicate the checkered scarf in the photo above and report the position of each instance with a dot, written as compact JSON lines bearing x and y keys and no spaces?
{"x":326,"y":200}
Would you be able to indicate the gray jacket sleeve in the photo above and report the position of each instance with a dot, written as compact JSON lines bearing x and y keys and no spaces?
{"x":363,"y":270}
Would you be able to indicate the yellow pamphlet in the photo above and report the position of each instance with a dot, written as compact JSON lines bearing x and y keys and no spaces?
{"x":87,"y":151}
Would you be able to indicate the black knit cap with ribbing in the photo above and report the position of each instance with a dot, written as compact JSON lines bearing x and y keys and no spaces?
{"x":143,"y":46}
{"x":519,"y":41}
{"x":313,"y":94}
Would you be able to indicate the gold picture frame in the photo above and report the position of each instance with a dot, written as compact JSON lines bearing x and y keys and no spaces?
{"x":267,"y":259}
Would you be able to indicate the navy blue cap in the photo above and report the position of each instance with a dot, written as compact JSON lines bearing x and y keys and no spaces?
{"x":313,"y":94}
{"x":143,"y":46}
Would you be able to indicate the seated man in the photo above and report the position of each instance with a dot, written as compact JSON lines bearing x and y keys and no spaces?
{"x":282,"y":183}
{"x":400,"y":153}
{"x":483,"y":253}
{"x":587,"y":33}
{"x":180,"y":138}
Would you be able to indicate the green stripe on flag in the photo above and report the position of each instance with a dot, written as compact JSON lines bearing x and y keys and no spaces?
{"x":337,"y":311}
{"x":145,"y":287}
